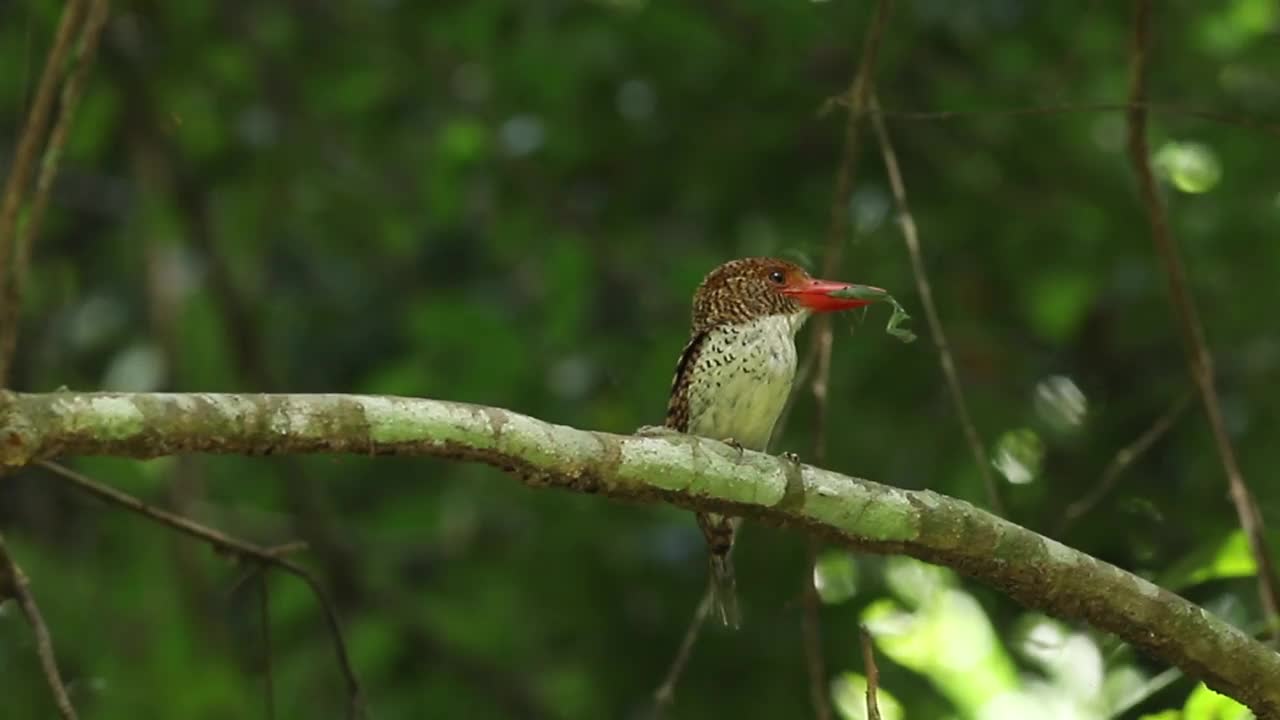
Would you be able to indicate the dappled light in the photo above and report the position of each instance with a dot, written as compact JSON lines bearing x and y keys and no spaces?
{"x":835,"y":576}
{"x":1061,"y":404}
{"x":850,"y":692}
{"x":1192,"y":167}
{"x":1018,"y":455}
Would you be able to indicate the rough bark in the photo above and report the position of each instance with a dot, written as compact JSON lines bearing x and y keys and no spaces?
{"x":684,"y":471}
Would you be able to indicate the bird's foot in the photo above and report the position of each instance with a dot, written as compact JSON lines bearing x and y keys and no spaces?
{"x":656,"y":431}
{"x":733,"y":444}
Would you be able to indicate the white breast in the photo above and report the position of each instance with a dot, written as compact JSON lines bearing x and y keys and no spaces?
{"x":742,"y":378}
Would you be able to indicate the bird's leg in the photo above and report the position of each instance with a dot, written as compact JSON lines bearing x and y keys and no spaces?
{"x":656,"y":431}
{"x":662,"y":431}
{"x":733,"y":444}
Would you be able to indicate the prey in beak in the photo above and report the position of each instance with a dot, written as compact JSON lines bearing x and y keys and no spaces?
{"x":830,"y":295}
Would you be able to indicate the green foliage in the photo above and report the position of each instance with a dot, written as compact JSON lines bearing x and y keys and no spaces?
{"x":849,"y":692}
{"x":510,"y":203}
{"x":1205,"y":704}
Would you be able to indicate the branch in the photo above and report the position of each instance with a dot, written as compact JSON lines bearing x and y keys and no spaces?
{"x":666,"y":692}
{"x":15,"y":188}
{"x":859,"y":87}
{"x":72,"y":91}
{"x":811,"y":634}
{"x":1121,"y":462}
{"x":1199,"y":359}
{"x":268,"y":557}
{"x":912,"y":239}
{"x":13,"y":583}
{"x":687,"y":472}
{"x":1265,"y":126}
{"x":873,"y":673}
{"x":268,"y":669}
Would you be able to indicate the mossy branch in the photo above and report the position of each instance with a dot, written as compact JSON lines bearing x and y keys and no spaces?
{"x":684,"y":471}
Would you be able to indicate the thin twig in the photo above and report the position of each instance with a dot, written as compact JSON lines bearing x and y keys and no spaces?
{"x":1199,"y":359}
{"x":873,"y":673}
{"x":909,"y":234}
{"x":255,"y":570}
{"x":666,"y":692}
{"x":839,"y":224}
{"x":233,"y":546}
{"x":811,"y":625}
{"x":1265,"y":126}
{"x":512,"y":693}
{"x":15,"y":189}
{"x":268,"y":672}
{"x":72,"y":91}
{"x":863,"y":80}
{"x":821,"y":350}
{"x":1121,"y":462}
{"x":14,"y":583}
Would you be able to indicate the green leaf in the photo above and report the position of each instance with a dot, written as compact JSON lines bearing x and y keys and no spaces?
{"x":1229,"y":558}
{"x":1205,"y":704}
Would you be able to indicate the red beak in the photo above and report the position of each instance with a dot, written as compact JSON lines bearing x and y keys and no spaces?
{"x":830,"y":296}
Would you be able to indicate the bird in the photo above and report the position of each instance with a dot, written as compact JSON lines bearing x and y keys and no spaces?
{"x":735,"y":374}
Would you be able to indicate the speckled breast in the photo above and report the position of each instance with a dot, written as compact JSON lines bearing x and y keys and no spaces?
{"x":741,"y":379}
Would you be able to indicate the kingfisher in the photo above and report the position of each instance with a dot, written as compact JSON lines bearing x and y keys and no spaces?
{"x":736,"y":371}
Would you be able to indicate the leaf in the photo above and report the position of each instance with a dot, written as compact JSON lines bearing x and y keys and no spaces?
{"x":1205,"y":704}
{"x":1228,"y":558}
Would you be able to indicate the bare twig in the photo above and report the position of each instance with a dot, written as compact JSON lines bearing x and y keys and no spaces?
{"x":15,"y":188}
{"x":811,"y":626}
{"x":873,"y":673}
{"x":666,"y":692}
{"x":14,"y":252}
{"x":1265,"y":126}
{"x":1121,"y":462}
{"x":233,"y":546}
{"x":14,"y":583}
{"x":268,"y":671}
{"x":820,"y":349}
{"x":1199,"y":359}
{"x":344,"y":569}
{"x":255,"y":570}
{"x":72,"y":91}
{"x":912,"y":239}
{"x":839,"y":224}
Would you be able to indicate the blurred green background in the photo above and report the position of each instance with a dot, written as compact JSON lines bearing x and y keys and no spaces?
{"x":510,"y":203}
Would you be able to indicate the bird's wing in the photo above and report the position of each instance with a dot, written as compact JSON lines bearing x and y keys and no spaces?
{"x":678,"y":405}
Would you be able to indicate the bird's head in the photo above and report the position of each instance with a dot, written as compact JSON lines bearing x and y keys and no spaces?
{"x":751,"y":288}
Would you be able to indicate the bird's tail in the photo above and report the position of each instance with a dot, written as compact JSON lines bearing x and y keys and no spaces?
{"x":719,"y":532}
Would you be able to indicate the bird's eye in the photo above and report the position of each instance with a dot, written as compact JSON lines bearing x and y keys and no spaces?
{"x":777,"y":276}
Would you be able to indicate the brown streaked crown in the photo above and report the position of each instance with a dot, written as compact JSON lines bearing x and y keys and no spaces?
{"x":745,"y":289}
